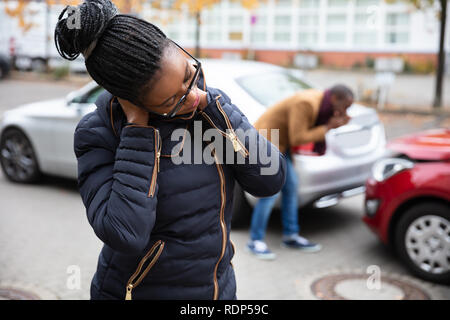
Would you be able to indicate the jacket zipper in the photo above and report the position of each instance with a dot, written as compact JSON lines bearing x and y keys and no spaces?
{"x":130,"y":284}
{"x":158,"y":144}
{"x":237,"y":145}
{"x":222,"y":224}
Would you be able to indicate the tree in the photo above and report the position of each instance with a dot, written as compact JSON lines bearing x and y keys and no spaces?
{"x":195,"y":8}
{"x":422,"y":4}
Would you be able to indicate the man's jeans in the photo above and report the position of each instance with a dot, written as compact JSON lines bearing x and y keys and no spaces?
{"x":263,"y":208}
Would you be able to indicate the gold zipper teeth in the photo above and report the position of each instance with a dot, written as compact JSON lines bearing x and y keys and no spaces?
{"x":152,"y":189}
{"x":222,"y":225}
{"x":130,"y":285}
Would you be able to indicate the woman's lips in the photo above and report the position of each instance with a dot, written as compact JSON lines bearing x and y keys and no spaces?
{"x":196,"y":102}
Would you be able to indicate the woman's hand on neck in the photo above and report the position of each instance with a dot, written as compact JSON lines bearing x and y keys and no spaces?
{"x":133,"y":113}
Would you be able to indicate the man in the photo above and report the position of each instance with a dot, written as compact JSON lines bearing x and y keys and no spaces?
{"x":302,"y":118}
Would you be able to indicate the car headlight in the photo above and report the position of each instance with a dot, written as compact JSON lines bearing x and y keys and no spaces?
{"x":386,"y":168}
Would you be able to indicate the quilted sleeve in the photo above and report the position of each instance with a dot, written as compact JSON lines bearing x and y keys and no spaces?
{"x":118,"y":187}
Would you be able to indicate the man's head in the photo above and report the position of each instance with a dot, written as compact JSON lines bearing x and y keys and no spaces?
{"x":341,"y":99}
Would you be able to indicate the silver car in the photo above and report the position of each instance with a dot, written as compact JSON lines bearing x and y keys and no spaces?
{"x":38,"y":138}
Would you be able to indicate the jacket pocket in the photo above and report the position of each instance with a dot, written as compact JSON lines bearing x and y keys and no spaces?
{"x":140,"y":274}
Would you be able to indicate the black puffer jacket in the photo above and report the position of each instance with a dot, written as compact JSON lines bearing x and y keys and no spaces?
{"x":165,"y":226}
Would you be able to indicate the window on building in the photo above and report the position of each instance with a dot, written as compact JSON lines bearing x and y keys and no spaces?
{"x":235,"y":20}
{"x":308,"y":38}
{"x":336,"y":37}
{"x":309,"y":4}
{"x":397,"y":37}
{"x":308,"y":20}
{"x":337,"y":3}
{"x":397,"y":19}
{"x":283,"y":3}
{"x":362,"y":19}
{"x":174,"y":35}
{"x":282,"y":37}
{"x":336,"y":20}
{"x":213,"y":36}
{"x":191,"y":35}
{"x":366,"y":3}
{"x":212,"y":20}
{"x":365,"y":38}
{"x":258,"y":37}
{"x":260,"y":21}
{"x":283,"y":20}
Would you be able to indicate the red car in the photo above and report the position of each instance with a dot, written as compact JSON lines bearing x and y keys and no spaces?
{"x":408,"y":202}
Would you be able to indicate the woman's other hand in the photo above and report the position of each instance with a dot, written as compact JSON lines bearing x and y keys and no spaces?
{"x":133,"y":113}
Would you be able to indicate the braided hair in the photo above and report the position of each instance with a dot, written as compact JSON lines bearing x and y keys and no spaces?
{"x":122,"y":53}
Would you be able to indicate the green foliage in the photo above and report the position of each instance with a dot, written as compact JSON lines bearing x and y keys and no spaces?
{"x":60,"y":72}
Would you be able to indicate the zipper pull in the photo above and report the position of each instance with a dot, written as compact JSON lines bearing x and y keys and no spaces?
{"x":129,"y":289}
{"x":236,"y":145}
{"x":158,"y":155}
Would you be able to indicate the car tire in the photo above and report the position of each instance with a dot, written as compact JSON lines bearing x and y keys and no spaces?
{"x":420,"y":235}
{"x":242,"y":210}
{"x":4,"y":68}
{"x":18,"y":158}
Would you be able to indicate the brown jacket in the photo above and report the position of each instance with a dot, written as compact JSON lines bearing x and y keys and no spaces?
{"x":295,"y":117}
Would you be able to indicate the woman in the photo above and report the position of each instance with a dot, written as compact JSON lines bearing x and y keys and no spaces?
{"x":165,"y":224}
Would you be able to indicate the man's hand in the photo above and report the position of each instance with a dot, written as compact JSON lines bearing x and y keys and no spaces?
{"x":134,"y":113}
{"x":337,"y":121}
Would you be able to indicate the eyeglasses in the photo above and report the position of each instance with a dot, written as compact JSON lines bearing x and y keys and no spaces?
{"x":172,"y":113}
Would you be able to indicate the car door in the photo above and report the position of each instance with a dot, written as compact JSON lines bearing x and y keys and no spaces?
{"x":65,"y":122}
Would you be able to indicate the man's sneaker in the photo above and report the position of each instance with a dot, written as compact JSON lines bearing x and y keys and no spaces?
{"x":259,"y":249}
{"x":300,"y":243}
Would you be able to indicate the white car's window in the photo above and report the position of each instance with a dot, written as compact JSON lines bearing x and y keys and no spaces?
{"x":89,"y":97}
{"x":269,"y":88}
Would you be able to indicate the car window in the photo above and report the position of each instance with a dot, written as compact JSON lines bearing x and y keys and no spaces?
{"x":89,"y":97}
{"x":269,"y":88}
{"x":93,"y":95}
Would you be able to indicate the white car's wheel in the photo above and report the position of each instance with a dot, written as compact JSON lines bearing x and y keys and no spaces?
{"x":423,"y":241}
{"x":17,"y":157}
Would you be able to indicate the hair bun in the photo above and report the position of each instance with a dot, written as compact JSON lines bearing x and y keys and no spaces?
{"x":79,"y":31}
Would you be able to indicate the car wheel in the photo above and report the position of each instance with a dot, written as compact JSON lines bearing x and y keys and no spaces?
{"x":242,"y":211}
{"x":17,"y":157}
{"x":422,"y":240}
{"x":38,"y":65}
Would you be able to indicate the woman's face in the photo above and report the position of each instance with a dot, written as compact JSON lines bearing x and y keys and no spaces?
{"x":170,"y":83}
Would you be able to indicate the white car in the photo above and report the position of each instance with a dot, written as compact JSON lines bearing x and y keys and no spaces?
{"x":38,"y":138}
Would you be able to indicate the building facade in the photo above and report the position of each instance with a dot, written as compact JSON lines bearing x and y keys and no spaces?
{"x":342,"y":33}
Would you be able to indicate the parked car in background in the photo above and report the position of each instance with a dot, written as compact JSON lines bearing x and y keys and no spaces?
{"x":38,"y":137}
{"x":408,"y":202}
{"x":5,"y":66}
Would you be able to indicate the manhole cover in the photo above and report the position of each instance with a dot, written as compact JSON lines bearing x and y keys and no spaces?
{"x":350,"y":286}
{"x":12,"y":290}
{"x":16,"y":294}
